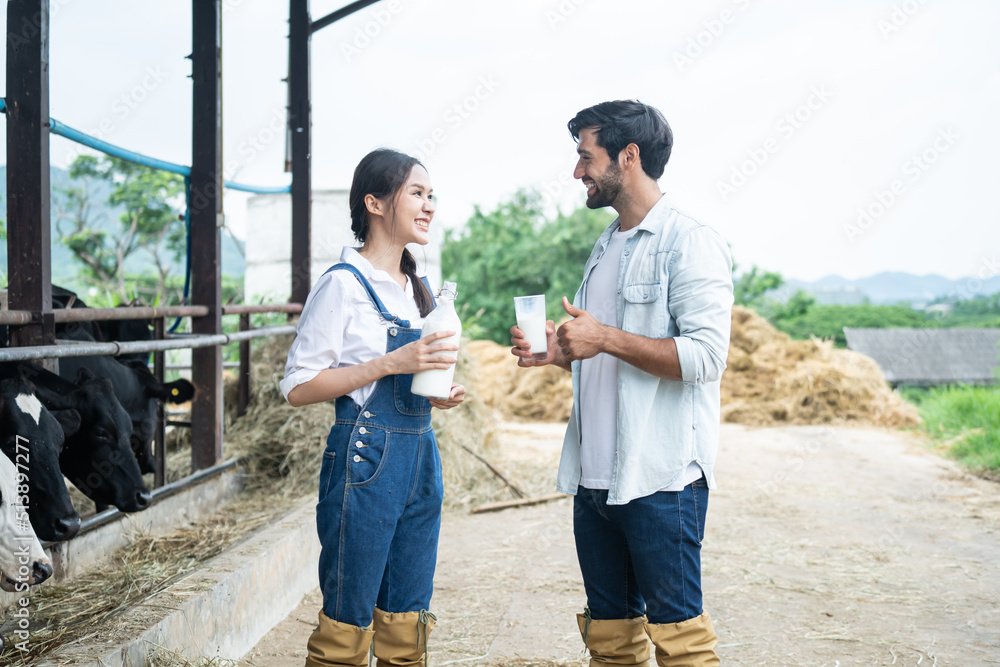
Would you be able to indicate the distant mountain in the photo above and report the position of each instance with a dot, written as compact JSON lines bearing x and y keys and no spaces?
{"x":890,"y":287}
{"x":65,"y":268}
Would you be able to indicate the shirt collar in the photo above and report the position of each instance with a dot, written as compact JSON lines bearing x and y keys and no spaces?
{"x":653,"y":222}
{"x":351,"y":255}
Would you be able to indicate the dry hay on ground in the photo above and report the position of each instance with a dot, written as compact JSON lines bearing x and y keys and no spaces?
{"x":286,"y":444}
{"x":538,"y":394}
{"x":770,"y":379}
{"x":89,"y":605}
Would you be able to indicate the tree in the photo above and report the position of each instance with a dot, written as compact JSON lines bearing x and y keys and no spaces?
{"x":514,"y":251}
{"x":750,"y":287}
{"x":149,"y":223}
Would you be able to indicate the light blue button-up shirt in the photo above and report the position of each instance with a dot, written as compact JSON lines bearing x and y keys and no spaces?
{"x":675,"y":281}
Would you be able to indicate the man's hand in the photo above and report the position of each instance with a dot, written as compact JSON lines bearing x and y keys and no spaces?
{"x":456,"y":396}
{"x":583,"y":337}
{"x":522,"y":348}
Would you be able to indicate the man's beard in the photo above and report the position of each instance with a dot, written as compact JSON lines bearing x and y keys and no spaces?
{"x":608,"y":188}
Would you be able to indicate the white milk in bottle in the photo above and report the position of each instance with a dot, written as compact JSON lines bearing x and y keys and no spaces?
{"x":436,"y":383}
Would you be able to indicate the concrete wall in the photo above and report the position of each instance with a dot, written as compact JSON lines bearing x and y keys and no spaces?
{"x":269,"y":243}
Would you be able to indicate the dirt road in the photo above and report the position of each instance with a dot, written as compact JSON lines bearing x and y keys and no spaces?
{"x":824,"y":546}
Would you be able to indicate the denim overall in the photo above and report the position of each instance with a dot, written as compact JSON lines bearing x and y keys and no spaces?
{"x":380,"y":494}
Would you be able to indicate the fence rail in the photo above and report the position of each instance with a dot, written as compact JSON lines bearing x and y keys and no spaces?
{"x":161,"y":343}
{"x":60,"y":315}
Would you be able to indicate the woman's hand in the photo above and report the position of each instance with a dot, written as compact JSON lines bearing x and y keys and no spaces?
{"x":456,"y":396}
{"x":419,"y":355}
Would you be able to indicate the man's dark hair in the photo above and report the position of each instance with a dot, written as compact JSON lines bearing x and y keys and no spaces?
{"x":625,"y":122}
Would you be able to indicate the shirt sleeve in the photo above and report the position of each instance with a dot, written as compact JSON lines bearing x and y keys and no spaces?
{"x":319,"y":337}
{"x":700,"y":300}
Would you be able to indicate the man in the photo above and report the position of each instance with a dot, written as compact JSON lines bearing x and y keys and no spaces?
{"x":646,"y":345}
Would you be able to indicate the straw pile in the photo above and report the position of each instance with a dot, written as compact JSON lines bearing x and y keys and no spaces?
{"x":285,"y":445}
{"x":532,"y":394}
{"x":770,"y":380}
{"x":92,"y":603}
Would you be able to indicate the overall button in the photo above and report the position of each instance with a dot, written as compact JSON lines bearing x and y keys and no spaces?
{"x":392,"y":331}
{"x":362,"y":430}
{"x":367,"y":414}
{"x":357,"y":458}
{"x":359,"y":444}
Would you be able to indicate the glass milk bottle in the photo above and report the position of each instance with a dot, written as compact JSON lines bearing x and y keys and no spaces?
{"x":436,"y":383}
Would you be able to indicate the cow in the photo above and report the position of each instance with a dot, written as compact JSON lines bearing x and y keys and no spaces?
{"x":97,"y":458}
{"x":22,"y":560}
{"x":33,"y":437}
{"x":139,"y":392}
{"x":102,"y":331}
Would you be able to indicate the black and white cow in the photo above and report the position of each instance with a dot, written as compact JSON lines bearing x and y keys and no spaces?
{"x":138,"y":390}
{"x":136,"y":387}
{"x":22,"y":560}
{"x":32,"y":437}
{"x":98,"y":458}
{"x":102,"y":331}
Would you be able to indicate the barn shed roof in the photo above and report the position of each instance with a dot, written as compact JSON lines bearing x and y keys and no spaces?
{"x":931,"y":356}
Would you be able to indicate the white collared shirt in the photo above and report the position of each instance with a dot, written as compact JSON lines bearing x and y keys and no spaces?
{"x":341,"y":327}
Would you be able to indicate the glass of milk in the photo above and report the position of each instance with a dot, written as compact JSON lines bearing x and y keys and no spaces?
{"x":530,"y":312}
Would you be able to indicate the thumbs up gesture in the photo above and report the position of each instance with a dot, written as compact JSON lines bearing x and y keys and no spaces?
{"x":583,"y":336}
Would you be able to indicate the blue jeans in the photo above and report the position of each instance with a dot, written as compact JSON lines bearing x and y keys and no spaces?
{"x":643,"y":557}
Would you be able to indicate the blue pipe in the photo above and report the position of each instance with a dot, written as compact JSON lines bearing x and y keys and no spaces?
{"x":63,"y":130}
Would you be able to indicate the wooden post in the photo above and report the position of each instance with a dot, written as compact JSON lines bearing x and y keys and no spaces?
{"x":160,"y":434}
{"x":29,"y":266}
{"x":206,"y":215}
{"x":243,"y":382}
{"x":300,"y":133}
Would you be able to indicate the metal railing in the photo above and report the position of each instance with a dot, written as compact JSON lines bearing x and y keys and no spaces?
{"x":161,"y":343}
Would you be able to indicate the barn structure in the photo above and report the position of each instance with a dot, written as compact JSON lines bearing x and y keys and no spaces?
{"x":928,"y":357}
{"x":30,"y":314}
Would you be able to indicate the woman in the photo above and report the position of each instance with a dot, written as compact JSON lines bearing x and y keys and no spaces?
{"x":358,"y":341}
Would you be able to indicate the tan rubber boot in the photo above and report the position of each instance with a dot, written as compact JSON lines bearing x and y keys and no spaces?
{"x":615,"y":642}
{"x":690,"y":643}
{"x":336,"y":644}
{"x":401,"y":639}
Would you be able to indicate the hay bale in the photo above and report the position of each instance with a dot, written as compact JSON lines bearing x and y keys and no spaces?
{"x":533,"y":394}
{"x":772,"y":379}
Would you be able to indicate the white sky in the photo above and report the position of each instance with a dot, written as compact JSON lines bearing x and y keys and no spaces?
{"x":884,"y":97}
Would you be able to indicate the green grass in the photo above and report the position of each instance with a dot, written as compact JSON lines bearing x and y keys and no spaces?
{"x":966,"y":420}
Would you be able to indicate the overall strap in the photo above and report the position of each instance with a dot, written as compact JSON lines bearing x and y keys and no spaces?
{"x":377,"y":302}
{"x":427,"y":284}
